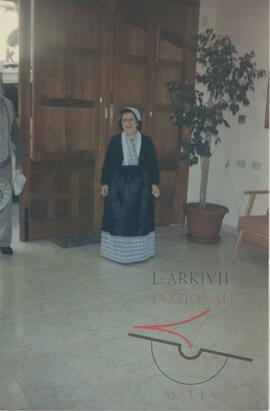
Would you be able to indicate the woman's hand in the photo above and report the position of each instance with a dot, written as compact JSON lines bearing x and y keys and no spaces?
{"x":104,"y":190}
{"x":155,"y":191}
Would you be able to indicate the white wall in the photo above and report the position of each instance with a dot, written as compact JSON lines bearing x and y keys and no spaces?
{"x":8,"y":23}
{"x":247,"y":22}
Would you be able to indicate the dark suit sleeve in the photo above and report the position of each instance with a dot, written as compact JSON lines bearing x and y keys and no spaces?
{"x":153,"y":163}
{"x":108,"y":164}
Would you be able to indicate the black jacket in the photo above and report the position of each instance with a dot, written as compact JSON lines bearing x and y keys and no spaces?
{"x":114,"y":159}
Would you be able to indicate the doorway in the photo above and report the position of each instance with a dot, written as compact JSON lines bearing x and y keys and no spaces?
{"x":85,"y":62}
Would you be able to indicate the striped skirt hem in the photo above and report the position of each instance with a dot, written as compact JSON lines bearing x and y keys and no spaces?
{"x":126,"y":250}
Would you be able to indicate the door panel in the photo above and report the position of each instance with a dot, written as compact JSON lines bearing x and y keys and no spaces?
{"x":165,"y":135}
{"x":173,"y":38}
{"x":66,"y":101}
{"x":166,"y":71}
{"x":63,"y":89}
{"x":62,"y":197}
{"x":133,"y":59}
{"x":90,"y":59}
{"x":152,"y":42}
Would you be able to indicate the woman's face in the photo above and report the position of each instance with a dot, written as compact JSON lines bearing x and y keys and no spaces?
{"x":129,"y":124}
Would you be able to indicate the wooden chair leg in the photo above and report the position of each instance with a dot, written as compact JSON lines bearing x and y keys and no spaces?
{"x":239,"y":238}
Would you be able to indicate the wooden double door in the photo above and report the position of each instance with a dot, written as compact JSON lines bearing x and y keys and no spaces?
{"x":81,"y":62}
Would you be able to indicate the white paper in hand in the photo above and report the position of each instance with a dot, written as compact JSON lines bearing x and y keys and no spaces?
{"x":18,"y":182}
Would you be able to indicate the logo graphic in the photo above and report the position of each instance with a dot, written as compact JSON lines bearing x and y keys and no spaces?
{"x":185,"y":362}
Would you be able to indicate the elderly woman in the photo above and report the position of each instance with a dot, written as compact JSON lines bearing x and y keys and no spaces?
{"x":129,"y":181}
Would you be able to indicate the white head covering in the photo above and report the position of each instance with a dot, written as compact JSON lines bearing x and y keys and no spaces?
{"x":135,"y":111}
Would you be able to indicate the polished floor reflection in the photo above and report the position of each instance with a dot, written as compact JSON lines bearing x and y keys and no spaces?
{"x":65,"y":316}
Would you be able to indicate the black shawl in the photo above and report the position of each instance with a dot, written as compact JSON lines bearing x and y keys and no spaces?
{"x":114,"y":159}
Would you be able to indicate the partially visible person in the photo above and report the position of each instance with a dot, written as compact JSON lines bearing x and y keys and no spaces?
{"x":10,"y":144}
{"x":129,"y":183}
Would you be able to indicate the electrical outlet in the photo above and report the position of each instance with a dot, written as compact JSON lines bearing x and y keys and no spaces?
{"x":256,"y":165}
{"x":241,"y":163}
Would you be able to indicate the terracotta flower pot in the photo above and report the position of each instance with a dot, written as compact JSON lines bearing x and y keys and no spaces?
{"x":204,"y":223}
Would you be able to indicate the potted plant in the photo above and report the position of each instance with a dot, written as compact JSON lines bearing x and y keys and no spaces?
{"x":224,"y":82}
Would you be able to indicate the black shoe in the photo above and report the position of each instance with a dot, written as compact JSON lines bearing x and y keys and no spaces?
{"x":6,"y":250}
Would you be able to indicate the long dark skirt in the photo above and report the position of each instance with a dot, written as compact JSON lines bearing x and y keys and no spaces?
{"x":128,"y":219}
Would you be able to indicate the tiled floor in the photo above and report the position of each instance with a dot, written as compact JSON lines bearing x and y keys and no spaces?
{"x":65,"y":315}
